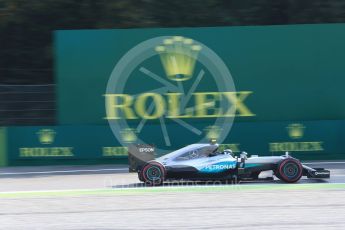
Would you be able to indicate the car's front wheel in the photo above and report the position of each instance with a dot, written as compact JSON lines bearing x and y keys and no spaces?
{"x":153,"y":173}
{"x":289,"y":170}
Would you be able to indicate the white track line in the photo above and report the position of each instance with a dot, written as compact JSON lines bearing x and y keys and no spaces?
{"x":164,"y":188}
{"x":325,"y":162}
{"x":64,"y":171}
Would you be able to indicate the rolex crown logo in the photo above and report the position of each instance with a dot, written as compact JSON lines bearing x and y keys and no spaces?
{"x":178,"y":56}
{"x":213,"y":132}
{"x":295,"y":131}
{"x":128,"y":135}
{"x":46,"y":136}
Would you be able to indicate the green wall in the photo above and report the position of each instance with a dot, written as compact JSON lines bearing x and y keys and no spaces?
{"x":295,"y":72}
{"x":88,"y":144}
{"x":3,"y":147}
{"x":285,"y":74}
{"x":63,"y":145}
{"x":289,"y":80}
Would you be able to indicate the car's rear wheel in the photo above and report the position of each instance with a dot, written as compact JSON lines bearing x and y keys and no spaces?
{"x":140,"y":176}
{"x":289,"y":170}
{"x":153,"y":173}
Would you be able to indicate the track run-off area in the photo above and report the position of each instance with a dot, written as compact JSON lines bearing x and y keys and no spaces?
{"x":108,"y":197}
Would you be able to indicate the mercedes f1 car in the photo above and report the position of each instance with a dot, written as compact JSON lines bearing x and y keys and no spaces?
{"x":202,"y":162}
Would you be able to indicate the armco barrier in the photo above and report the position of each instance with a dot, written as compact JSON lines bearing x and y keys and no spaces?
{"x":308,"y":140}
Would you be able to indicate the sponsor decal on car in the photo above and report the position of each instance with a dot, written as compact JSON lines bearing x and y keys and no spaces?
{"x":321,"y":173}
{"x":219,"y":167}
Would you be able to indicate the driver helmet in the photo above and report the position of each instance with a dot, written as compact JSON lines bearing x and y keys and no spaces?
{"x":228,"y":152}
{"x":244,"y":155}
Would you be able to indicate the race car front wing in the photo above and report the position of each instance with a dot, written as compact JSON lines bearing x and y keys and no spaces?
{"x":316,"y":173}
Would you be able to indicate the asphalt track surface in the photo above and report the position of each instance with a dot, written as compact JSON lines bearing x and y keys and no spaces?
{"x":107,"y":197}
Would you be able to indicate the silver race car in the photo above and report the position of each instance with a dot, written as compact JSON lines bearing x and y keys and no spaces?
{"x":203,"y":162}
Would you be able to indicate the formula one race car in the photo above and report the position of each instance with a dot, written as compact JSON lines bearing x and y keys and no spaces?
{"x":202,"y":162}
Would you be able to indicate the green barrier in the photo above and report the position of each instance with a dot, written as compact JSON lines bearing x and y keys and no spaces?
{"x":312,"y":140}
{"x":280,"y":73}
{"x":306,"y":140}
{"x":3,"y":147}
{"x":294,"y":72}
{"x":64,"y":145}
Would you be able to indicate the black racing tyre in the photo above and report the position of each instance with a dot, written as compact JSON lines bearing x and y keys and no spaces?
{"x":140,"y":176}
{"x":153,"y":173}
{"x":289,"y":170}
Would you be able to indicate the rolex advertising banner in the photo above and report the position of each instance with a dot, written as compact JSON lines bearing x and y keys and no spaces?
{"x":89,"y":144}
{"x":177,"y":86}
{"x":63,"y":145}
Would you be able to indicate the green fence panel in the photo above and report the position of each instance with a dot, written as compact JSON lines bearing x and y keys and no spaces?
{"x":306,"y":140}
{"x":294,"y":72}
{"x":282,"y":74}
{"x":3,"y":147}
{"x":64,"y":145}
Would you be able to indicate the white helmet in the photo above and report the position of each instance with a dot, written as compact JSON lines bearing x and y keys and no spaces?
{"x":228,"y":152}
